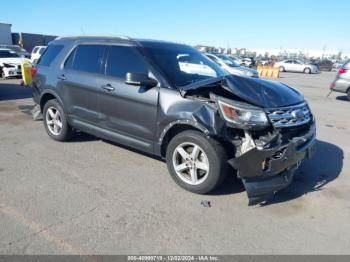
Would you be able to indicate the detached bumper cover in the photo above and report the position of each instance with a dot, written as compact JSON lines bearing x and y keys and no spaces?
{"x":266,"y":171}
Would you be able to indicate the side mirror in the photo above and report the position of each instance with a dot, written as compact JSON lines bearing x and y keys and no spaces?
{"x":140,"y":79}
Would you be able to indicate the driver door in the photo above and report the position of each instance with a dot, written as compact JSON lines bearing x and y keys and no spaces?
{"x":129,"y":112}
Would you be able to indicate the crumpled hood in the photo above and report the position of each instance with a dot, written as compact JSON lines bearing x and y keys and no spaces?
{"x":262,"y":93}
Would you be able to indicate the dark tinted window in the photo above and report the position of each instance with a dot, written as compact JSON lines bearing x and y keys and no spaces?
{"x":35,"y":49}
{"x":5,"y":53}
{"x":50,"y":54}
{"x":41,"y":51}
{"x":123,"y":59}
{"x":86,"y":58}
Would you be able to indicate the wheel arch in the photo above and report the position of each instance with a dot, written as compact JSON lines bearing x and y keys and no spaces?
{"x":46,"y":96}
{"x":175,"y":128}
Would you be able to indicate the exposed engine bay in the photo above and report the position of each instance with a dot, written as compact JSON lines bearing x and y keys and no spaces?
{"x":265,"y":157}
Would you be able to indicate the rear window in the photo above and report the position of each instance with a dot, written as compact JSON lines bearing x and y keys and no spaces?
{"x":86,"y":58}
{"x":50,"y":54}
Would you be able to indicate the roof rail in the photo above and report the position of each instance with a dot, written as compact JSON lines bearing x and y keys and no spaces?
{"x":97,"y":36}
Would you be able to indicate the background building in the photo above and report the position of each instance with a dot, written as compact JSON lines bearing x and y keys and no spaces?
{"x":5,"y":34}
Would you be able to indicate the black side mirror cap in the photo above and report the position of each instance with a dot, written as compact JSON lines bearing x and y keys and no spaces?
{"x":140,"y":79}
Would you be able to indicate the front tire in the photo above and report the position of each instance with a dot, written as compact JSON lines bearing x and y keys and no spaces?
{"x":348,"y":93}
{"x":196,"y":163}
{"x":55,"y":121}
{"x":307,"y":70}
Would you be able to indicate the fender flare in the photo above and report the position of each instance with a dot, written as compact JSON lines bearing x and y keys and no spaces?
{"x":188,"y":122}
{"x":51,"y":92}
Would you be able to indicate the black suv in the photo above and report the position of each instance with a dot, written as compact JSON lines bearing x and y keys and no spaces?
{"x":195,"y":115}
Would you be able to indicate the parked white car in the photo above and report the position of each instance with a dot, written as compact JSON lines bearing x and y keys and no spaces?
{"x":231,"y":65}
{"x":10,"y":63}
{"x":36,"y":54}
{"x":241,"y":61}
{"x":293,"y":65}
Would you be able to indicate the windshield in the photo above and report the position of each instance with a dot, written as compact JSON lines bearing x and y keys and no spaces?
{"x":228,"y":61}
{"x":181,"y":64}
{"x":15,"y":48}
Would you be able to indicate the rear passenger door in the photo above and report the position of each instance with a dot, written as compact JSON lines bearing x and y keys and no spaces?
{"x":128,"y":111}
{"x":80,"y":82}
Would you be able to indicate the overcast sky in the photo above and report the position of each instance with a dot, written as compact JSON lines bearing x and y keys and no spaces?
{"x":309,"y":24}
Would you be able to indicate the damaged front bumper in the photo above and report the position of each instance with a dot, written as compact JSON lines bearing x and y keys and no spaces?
{"x":265,"y":171}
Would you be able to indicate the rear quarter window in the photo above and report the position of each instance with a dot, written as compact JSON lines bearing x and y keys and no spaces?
{"x":50,"y":54}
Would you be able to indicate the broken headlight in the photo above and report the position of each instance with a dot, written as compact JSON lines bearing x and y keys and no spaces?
{"x":242,"y":115}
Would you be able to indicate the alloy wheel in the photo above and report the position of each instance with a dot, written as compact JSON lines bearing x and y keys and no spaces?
{"x":190,"y":163}
{"x":53,"y":121}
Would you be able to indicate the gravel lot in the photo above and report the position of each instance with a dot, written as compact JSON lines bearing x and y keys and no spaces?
{"x":90,"y":196}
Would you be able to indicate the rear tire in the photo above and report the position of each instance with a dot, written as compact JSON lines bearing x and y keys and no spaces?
{"x":195,"y":162}
{"x":55,"y":121}
{"x":307,"y":70}
{"x":282,"y":69}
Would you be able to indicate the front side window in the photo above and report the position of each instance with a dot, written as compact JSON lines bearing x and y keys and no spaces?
{"x":50,"y":54}
{"x":86,"y":58}
{"x":35,"y":50}
{"x":122,"y":60}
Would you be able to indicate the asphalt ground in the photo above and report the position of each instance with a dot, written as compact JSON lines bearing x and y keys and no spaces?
{"x":90,"y":196}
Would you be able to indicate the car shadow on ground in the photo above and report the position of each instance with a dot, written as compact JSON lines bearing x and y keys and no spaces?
{"x":313,"y":174}
{"x":342,"y":98}
{"x":26,"y":109}
{"x":11,"y":91}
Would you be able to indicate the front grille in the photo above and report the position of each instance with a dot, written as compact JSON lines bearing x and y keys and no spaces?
{"x":289,"y":116}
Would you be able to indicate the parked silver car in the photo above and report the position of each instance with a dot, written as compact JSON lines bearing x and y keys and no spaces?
{"x":294,"y":65}
{"x":342,"y":81}
{"x":231,"y":65}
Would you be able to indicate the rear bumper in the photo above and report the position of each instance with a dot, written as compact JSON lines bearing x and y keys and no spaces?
{"x":341,"y":85}
{"x":266,"y":171}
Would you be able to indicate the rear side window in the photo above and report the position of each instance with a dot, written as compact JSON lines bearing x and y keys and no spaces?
{"x":50,"y":54}
{"x":86,"y":58}
{"x":124,"y":59}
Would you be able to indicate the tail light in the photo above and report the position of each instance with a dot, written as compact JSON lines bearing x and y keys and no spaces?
{"x":342,"y":71}
{"x":34,"y":70}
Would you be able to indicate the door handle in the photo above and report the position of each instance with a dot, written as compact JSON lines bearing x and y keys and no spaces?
{"x":62,"y":77}
{"x":108,"y":87}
